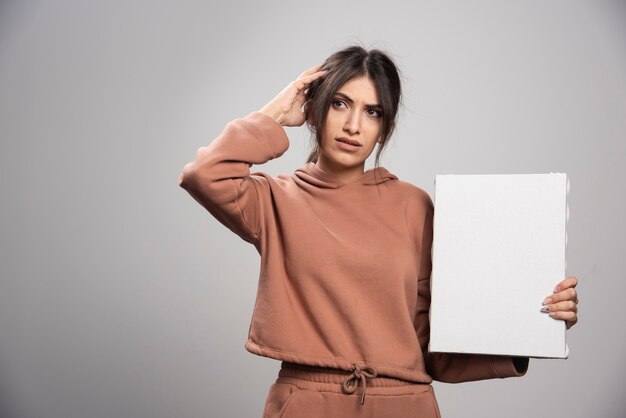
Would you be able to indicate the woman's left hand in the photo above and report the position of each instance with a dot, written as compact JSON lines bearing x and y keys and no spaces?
{"x":563,"y":303}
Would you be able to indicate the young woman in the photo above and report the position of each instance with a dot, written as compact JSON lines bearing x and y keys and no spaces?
{"x":344,"y":289}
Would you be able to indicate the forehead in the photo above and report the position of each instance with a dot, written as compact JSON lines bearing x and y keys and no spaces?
{"x":360,"y":89}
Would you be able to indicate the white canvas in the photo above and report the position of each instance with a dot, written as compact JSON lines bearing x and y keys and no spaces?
{"x":498,"y":251}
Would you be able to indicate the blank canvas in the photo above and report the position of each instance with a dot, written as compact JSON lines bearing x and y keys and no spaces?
{"x":498,"y":250}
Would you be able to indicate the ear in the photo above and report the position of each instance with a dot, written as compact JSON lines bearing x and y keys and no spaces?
{"x":307,"y":114}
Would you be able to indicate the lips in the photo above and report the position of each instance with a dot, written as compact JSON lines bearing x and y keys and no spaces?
{"x":349,"y":141}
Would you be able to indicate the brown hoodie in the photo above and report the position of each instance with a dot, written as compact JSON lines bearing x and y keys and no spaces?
{"x":345,"y":268}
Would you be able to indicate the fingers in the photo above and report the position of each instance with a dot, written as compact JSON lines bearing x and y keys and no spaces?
{"x":304,"y":81}
{"x":307,"y":77}
{"x":310,"y":70}
{"x":570,"y":318}
{"x":565,"y":311}
{"x":560,"y":306}
{"x":301,"y":84}
{"x":567,"y":282}
{"x":565,"y":315}
{"x":286,"y":106}
{"x":563,"y":303}
{"x":567,"y":294}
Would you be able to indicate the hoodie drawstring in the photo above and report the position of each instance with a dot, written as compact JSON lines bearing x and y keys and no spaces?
{"x":350,"y":384}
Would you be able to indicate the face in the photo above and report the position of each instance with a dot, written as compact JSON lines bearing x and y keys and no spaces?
{"x":354,"y":116}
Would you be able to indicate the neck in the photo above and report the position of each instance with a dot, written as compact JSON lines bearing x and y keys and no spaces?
{"x":343,"y":173}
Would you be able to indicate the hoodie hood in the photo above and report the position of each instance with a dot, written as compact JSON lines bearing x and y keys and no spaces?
{"x":314,"y":175}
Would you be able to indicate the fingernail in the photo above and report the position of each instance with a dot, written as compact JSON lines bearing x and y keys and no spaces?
{"x":547,"y":300}
{"x":545,"y":308}
{"x":552,"y":314}
{"x":556,"y":289}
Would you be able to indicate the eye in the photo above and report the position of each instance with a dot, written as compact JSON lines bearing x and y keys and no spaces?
{"x":335,"y":102}
{"x":377,"y":113}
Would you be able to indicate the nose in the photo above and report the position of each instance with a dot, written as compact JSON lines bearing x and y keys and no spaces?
{"x":353,"y":122}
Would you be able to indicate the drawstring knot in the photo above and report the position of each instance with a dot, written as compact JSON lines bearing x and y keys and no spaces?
{"x":352,"y":382}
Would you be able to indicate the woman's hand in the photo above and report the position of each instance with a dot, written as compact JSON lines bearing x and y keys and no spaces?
{"x":286,"y":107}
{"x":563,"y":303}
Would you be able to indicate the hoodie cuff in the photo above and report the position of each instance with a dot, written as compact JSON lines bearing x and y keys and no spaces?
{"x":269,"y":132}
{"x":510,"y":366}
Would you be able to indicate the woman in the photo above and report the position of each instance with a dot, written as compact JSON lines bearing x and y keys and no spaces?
{"x":344,"y":288}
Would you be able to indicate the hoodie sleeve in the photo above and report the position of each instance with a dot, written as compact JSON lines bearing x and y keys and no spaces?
{"x":219,"y":177}
{"x":454,"y":367}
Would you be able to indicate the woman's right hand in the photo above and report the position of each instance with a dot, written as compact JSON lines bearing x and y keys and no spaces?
{"x":286,"y":107}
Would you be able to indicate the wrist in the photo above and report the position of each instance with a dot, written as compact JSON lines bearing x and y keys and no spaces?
{"x":272,"y":114}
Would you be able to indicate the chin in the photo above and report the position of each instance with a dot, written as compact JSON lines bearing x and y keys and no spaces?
{"x":347,"y":161}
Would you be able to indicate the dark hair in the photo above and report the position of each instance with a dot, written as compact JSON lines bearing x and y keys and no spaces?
{"x":344,"y":65}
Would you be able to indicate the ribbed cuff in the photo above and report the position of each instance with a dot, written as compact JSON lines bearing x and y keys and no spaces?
{"x":505,"y":366}
{"x":270,"y":132}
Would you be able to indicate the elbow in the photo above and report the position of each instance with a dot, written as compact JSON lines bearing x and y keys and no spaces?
{"x":186,"y":175}
{"x":189,"y":170}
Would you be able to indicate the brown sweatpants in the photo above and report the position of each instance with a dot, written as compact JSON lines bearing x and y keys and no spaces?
{"x":304,"y":391}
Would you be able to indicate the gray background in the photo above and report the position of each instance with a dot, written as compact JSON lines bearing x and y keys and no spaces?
{"x":122,"y":297}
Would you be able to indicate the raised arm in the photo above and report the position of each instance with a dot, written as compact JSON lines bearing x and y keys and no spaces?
{"x":219,"y":177}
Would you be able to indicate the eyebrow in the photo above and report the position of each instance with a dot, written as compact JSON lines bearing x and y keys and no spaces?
{"x":345,"y":96}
